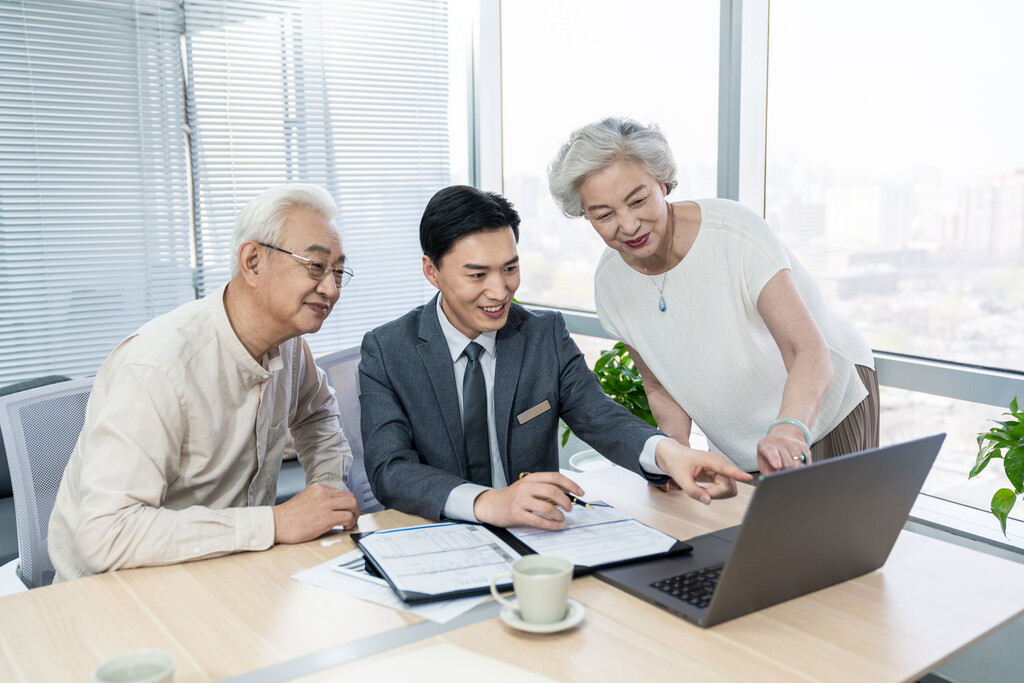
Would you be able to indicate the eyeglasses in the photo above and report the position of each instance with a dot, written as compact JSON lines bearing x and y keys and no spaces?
{"x":317,"y":268}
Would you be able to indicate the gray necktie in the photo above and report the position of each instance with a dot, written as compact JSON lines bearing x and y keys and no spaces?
{"x":474,"y":417}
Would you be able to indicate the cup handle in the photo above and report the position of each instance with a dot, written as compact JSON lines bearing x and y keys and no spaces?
{"x":494,"y":589}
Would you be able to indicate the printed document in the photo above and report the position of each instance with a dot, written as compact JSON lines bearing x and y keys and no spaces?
{"x":596,"y":534}
{"x":439,"y":558}
{"x":346,"y":574}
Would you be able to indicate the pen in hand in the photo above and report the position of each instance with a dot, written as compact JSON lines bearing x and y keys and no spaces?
{"x":572,"y":499}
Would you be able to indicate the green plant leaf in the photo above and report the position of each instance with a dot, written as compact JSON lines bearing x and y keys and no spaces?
{"x":620,"y":380}
{"x":1000,"y":437}
{"x":1002,"y":503}
{"x":606,"y":357}
{"x":1013,"y":405}
{"x":1013,"y":465}
{"x":984,"y":457}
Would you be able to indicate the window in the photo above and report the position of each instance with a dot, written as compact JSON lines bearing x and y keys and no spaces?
{"x":895,"y":172}
{"x":94,"y":225}
{"x":122,"y":169}
{"x":654,"y":61}
{"x":351,"y":95}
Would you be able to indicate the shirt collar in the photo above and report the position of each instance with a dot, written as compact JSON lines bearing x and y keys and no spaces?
{"x":254,"y":371}
{"x":457,"y":341}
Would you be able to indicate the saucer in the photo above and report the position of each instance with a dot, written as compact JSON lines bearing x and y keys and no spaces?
{"x":573,"y":615}
{"x":588,"y":460}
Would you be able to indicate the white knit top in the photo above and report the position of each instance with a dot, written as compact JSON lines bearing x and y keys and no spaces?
{"x":710,"y":348}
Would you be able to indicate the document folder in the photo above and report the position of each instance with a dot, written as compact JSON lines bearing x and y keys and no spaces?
{"x":453,"y":559}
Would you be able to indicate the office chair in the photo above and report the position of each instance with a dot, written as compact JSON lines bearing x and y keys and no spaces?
{"x":8,"y":525}
{"x":40,"y":428}
{"x":343,"y":375}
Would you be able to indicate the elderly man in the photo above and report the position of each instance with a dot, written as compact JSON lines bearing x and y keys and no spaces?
{"x":186,"y":425}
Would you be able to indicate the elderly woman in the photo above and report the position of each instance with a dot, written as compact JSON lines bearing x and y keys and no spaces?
{"x":726,"y":327}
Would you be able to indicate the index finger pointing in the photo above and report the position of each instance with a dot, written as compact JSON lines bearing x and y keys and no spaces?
{"x":726,"y":468}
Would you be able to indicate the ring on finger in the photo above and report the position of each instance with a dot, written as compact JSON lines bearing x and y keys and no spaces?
{"x":802,"y":458}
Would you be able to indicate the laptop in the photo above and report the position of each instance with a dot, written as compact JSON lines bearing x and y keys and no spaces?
{"x":806,"y":528}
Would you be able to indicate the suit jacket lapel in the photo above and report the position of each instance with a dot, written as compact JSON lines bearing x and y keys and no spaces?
{"x":433,"y":351}
{"x":510,"y":349}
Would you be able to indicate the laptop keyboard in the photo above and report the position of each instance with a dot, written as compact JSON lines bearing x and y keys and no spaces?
{"x":693,"y":587}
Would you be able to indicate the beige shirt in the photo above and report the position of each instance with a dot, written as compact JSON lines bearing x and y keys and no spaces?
{"x":182,"y":444}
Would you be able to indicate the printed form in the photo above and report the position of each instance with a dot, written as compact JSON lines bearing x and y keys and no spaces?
{"x":596,"y":535}
{"x":440,"y":558}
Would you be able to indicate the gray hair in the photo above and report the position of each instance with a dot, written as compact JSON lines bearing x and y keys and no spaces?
{"x":262,"y":219}
{"x":598,"y":145}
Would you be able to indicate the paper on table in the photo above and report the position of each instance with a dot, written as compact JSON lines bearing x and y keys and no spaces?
{"x":596,"y":536}
{"x":344,"y":575}
{"x":439,"y":558}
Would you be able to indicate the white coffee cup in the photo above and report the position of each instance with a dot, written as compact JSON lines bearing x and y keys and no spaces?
{"x":137,"y":666}
{"x":541,"y":584}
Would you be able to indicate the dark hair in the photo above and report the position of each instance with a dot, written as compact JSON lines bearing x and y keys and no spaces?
{"x":460,"y":210}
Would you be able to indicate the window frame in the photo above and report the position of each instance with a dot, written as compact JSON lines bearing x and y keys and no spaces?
{"x":742,"y":134}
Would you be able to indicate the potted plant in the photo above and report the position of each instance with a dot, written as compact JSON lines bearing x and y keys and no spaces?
{"x":621,"y":380}
{"x":1006,"y":441}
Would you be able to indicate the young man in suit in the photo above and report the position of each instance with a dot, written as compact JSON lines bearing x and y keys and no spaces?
{"x":461,"y":396}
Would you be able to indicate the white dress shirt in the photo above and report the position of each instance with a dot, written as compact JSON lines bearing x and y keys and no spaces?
{"x":460,"y":500}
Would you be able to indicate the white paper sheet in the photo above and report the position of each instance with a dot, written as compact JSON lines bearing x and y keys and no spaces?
{"x":345,"y":574}
{"x":595,"y":536}
{"x":440,"y":558}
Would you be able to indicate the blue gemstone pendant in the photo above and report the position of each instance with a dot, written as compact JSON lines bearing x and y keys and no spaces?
{"x":661,"y":304}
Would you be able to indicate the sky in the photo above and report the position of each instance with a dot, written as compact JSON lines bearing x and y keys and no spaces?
{"x":876,"y":86}
{"x":889,"y":86}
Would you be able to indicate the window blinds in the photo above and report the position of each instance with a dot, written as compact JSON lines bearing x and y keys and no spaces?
{"x":351,"y":95}
{"x":94,"y":212}
{"x":122,"y":168}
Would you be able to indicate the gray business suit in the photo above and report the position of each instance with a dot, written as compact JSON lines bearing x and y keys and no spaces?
{"x":412,"y":428}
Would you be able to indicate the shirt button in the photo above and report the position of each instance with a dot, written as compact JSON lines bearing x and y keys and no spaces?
{"x":252,"y":542}
{"x":196,"y":550}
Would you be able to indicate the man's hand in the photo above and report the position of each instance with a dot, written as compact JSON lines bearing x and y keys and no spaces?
{"x":313,"y":512}
{"x":542,"y":492}
{"x":783,"y":448}
{"x":689,"y":467}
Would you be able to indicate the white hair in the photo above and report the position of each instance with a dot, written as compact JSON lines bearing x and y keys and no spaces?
{"x":597,"y":146}
{"x":262,"y":219}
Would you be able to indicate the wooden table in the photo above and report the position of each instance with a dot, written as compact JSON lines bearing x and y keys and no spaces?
{"x":237,"y":614}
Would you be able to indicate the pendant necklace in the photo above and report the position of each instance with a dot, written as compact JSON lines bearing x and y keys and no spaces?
{"x":661,"y":293}
{"x":661,"y":287}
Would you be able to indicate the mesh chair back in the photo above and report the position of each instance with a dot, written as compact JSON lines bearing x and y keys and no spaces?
{"x":343,"y":374}
{"x":40,"y":428}
{"x":5,"y":473}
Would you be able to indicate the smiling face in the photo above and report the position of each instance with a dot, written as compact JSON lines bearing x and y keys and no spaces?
{"x":295,"y":301}
{"x":627,"y":207}
{"x":477,"y":278}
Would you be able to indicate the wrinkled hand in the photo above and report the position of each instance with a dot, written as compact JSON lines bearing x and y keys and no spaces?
{"x":690,"y":467}
{"x":313,"y":512}
{"x":541,"y":492}
{"x":781,"y":449}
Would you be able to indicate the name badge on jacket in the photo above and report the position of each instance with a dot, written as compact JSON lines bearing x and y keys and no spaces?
{"x":533,"y":412}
